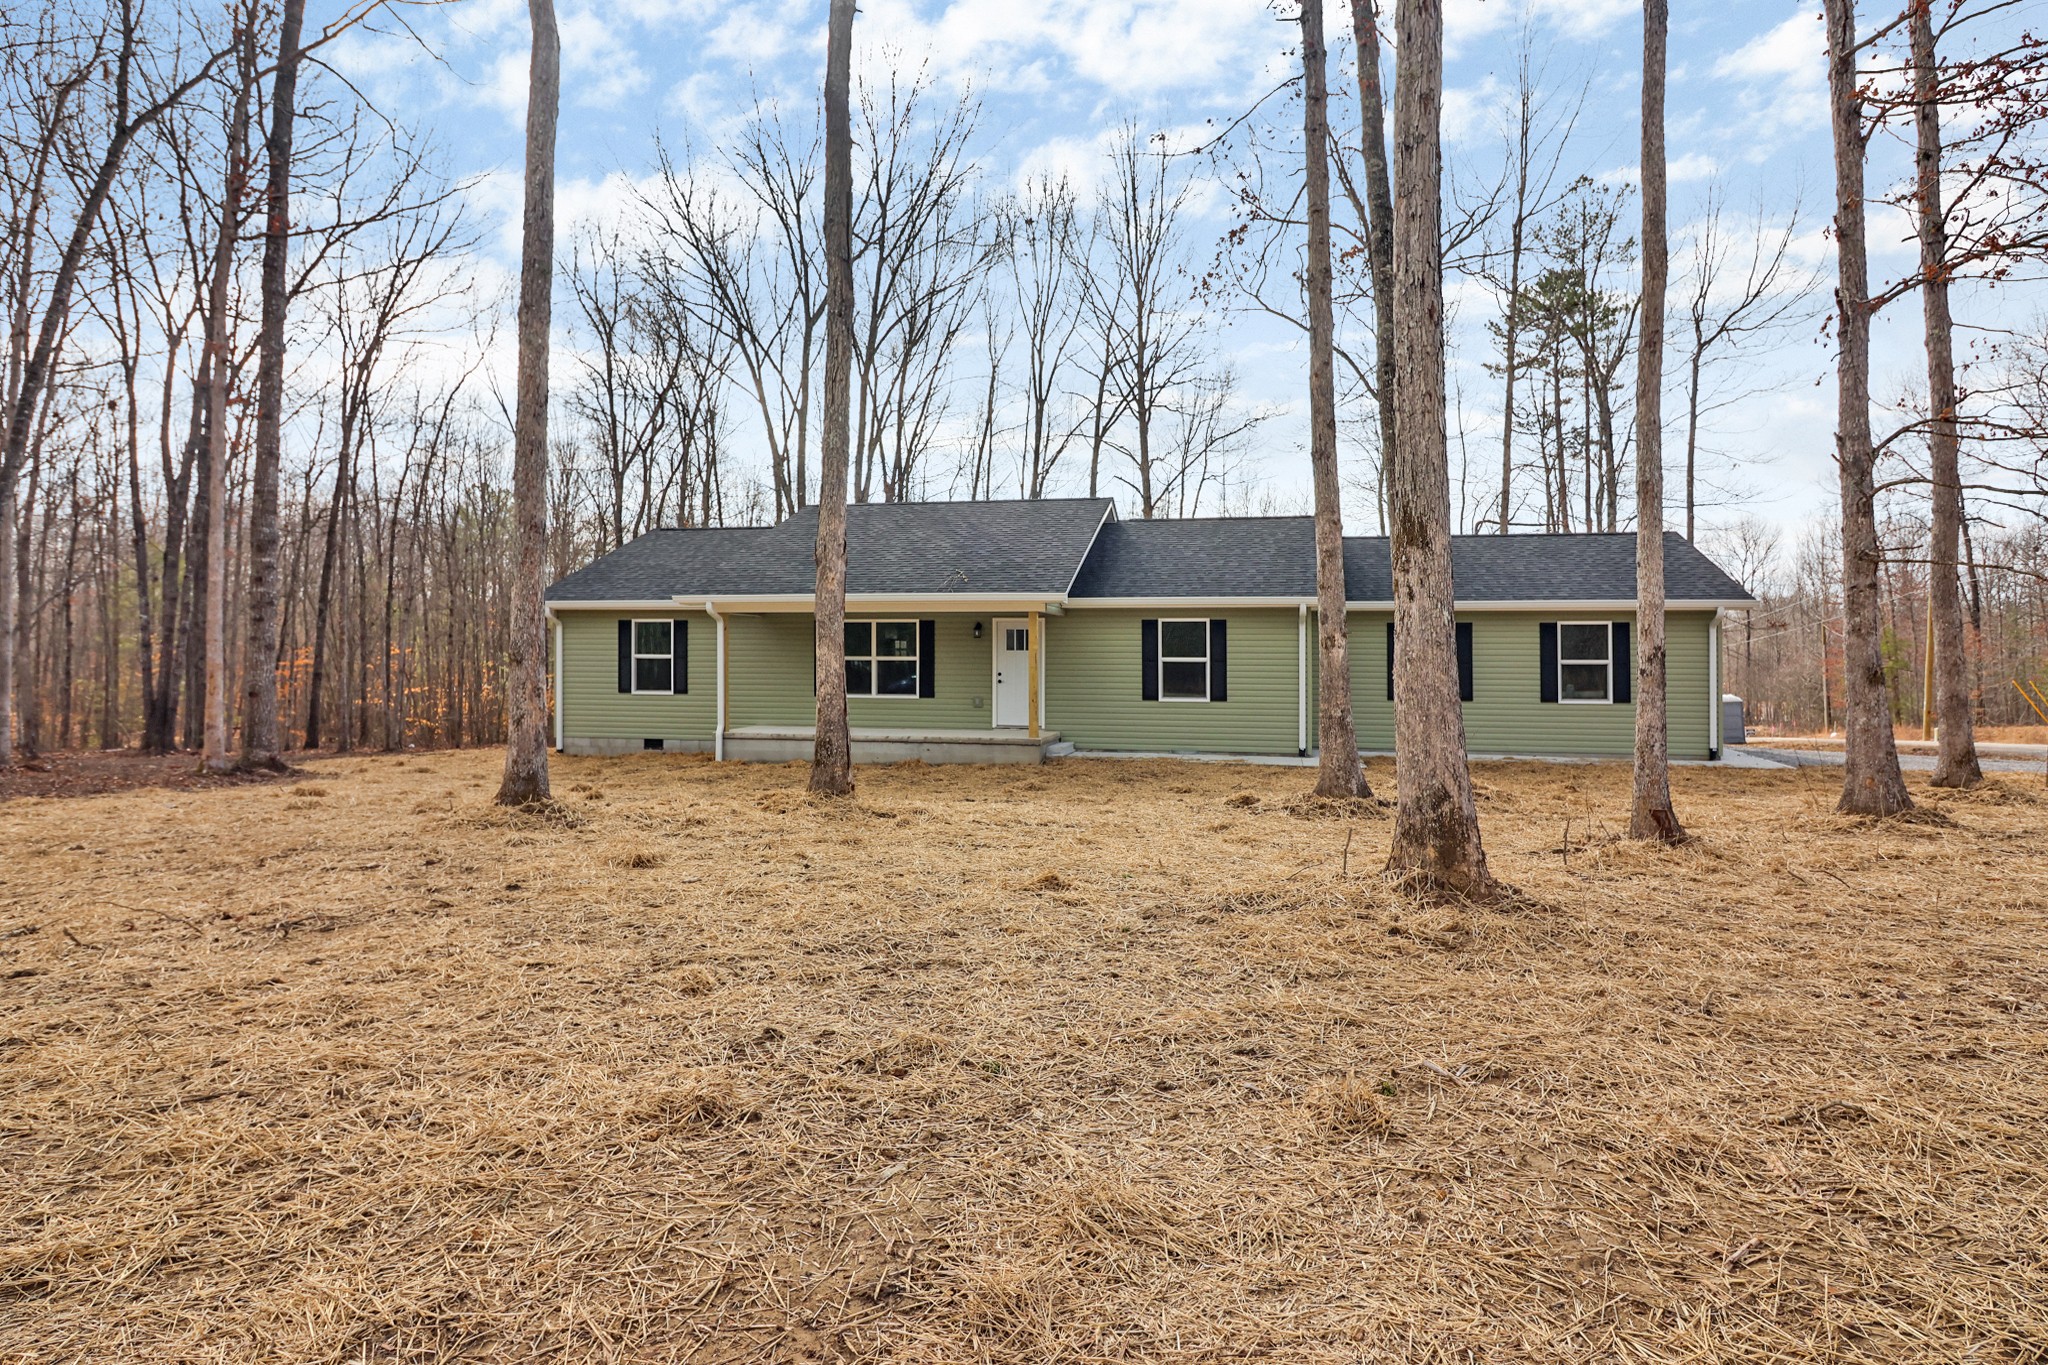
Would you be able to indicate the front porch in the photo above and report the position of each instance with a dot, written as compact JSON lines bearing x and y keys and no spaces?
{"x":793,"y":743}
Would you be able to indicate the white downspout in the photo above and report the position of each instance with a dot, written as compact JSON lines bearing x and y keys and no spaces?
{"x":1714,"y":685}
{"x":560,"y":669}
{"x":718,"y":716}
{"x":1301,"y":685}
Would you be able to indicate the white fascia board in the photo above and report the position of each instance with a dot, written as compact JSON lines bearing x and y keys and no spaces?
{"x":1185,"y":603}
{"x":876,"y":601}
{"x":650,"y":604}
{"x":1613,"y":604}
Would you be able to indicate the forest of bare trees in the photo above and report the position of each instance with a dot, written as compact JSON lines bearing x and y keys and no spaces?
{"x":259,"y":420}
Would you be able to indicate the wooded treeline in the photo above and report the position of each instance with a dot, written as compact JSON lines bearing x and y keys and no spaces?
{"x":1011,"y":339}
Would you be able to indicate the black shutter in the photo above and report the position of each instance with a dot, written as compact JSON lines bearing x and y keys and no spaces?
{"x":625,"y":656}
{"x":1624,"y":666}
{"x":679,"y":650}
{"x":1219,"y":661}
{"x":1390,"y":661}
{"x":927,"y":658}
{"x":1148,"y":658}
{"x":1547,"y":650}
{"x":1464,"y":661}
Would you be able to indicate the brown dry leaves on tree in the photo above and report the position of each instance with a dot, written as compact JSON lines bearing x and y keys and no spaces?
{"x":1101,"y":1061}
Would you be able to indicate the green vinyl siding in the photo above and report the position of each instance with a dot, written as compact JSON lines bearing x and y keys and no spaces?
{"x":769,"y":674}
{"x":1092,"y":680}
{"x":1094,"y":683}
{"x":594,"y":708}
{"x":1507,"y":713}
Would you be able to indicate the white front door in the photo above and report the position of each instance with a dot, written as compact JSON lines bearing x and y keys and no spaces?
{"x":1013,"y":671}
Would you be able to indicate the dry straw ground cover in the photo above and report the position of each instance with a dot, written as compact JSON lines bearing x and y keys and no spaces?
{"x":1101,"y":1062}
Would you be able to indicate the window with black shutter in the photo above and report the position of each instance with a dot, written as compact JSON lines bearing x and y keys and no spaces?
{"x":1465,"y":669}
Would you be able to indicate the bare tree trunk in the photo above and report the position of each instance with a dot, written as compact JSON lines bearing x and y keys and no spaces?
{"x":1436,"y":823}
{"x":1379,"y":204}
{"x":526,"y":699}
{"x":1650,"y":814}
{"x":1339,"y":773}
{"x":1955,"y":764}
{"x":261,"y":743}
{"x":214,"y":756}
{"x":832,"y":748}
{"x":1511,"y":320}
{"x":8,"y":607}
{"x":1871,"y":782}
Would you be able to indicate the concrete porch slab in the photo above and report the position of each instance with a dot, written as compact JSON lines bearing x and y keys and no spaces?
{"x":793,"y":744}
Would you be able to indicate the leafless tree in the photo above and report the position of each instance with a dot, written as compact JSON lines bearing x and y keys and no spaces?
{"x":112,"y":55}
{"x":1742,"y":290}
{"x":832,"y":741}
{"x":526,"y":748}
{"x":919,"y":257}
{"x":215,"y":366}
{"x":647,"y":394}
{"x":1041,"y":244}
{"x":1436,"y":822}
{"x":262,"y":744}
{"x":1650,"y":813}
{"x":1149,"y":300}
{"x":1537,"y":135}
{"x":1377,"y":216}
{"x":1872,"y":784}
{"x":1338,"y":773}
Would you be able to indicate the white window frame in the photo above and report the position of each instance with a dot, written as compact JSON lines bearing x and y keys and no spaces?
{"x":874,"y":660}
{"x":1606,"y":633}
{"x":1205,"y":660}
{"x":669,"y":654}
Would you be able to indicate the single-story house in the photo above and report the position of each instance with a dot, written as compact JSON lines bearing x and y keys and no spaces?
{"x":1007,"y":631}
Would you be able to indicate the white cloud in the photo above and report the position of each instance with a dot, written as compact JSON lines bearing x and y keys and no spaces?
{"x":1794,"y":51}
{"x":1136,"y":48}
{"x":1466,"y":21}
{"x":1691,"y":166}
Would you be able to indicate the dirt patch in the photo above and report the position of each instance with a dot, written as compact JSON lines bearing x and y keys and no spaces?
{"x":93,"y":774}
{"x":1102,"y":1064}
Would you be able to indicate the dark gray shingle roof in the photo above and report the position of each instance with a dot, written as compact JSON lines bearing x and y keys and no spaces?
{"x":1031,"y":548}
{"x":661,"y":564}
{"x":1208,"y":557}
{"x":1036,"y":548}
{"x":1275,"y":557}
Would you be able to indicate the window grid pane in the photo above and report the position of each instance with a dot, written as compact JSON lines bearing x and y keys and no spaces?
{"x":1583,"y":644}
{"x":896,"y":639}
{"x":860,"y":677}
{"x":1184,"y":639}
{"x":653,"y":675}
{"x":1582,"y":682}
{"x":651,"y":637}
{"x":1180,"y":679}
{"x":895,"y":677}
{"x":860,"y":638}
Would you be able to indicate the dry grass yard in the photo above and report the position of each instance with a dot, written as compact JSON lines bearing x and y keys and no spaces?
{"x":1098,"y":1062}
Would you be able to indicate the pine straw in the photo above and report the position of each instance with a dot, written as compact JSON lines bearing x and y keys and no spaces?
{"x":1098,"y":1062}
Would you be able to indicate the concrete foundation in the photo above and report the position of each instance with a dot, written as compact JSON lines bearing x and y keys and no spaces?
{"x":613,"y":747}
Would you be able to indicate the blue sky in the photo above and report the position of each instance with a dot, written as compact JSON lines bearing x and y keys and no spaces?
{"x":1747,"y":113}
